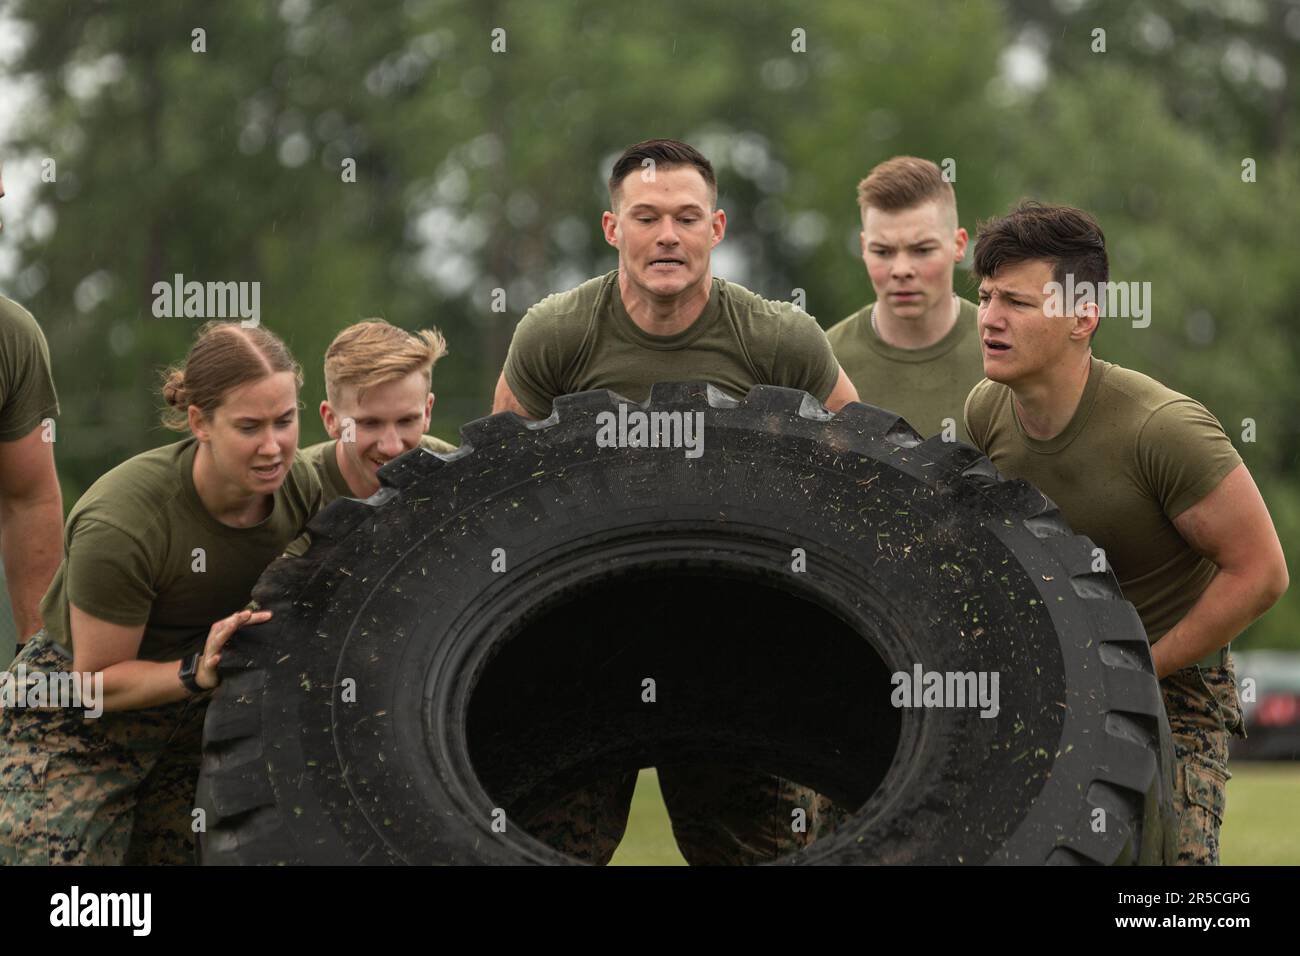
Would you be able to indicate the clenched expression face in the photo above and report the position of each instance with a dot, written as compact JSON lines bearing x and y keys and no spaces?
{"x":664,"y":228}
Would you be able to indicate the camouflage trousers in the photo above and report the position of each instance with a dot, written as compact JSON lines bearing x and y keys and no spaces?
{"x":111,"y":790}
{"x":721,"y":816}
{"x":1203,"y":710}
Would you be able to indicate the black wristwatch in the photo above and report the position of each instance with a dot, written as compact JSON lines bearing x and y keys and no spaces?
{"x":189,"y":674}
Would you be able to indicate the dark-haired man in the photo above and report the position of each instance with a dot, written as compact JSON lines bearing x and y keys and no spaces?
{"x":663,"y":316}
{"x":914,"y":350}
{"x":31,"y":506}
{"x":1145,"y":472}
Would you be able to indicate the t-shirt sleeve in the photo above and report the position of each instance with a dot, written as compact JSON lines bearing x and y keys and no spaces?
{"x":26,"y":383}
{"x":975,"y":417}
{"x":109,"y":574}
{"x":313,"y":492}
{"x":298,"y":546}
{"x":535,"y":364}
{"x":1184,"y":453}
{"x":803,"y":356}
{"x":314,"y":495}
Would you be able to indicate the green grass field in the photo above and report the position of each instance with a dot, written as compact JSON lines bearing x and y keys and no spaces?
{"x":649,"y":837}
{"x":1262,"y":825}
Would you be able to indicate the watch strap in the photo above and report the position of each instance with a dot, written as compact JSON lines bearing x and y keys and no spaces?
{"x":189,"y":673}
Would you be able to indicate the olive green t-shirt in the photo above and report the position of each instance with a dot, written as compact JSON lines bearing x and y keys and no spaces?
{"x":924,"y":386}
{"x":323,"y":461}
{"x":141,"y":548}
{"x":1135,"y":456}
{"x":26,"y":385}
{"x":583,"y":339}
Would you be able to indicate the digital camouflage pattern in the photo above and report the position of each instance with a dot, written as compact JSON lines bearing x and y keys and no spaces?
{"x":721,"y":816}
{"x":727,"y":816}
{"x":120,"y":789}
{"x":588,"y":824}
{"x":1203,"y":710}
{"x":113,"y":790}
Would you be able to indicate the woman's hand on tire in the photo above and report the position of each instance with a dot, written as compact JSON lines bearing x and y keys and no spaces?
{"x":206,"y":673}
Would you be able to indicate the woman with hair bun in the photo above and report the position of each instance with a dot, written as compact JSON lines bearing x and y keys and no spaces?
{"x":155,"y":552}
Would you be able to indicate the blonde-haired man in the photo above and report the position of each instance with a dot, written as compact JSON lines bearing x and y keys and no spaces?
{"x":915,"y":350}
{"x":378,"y":401}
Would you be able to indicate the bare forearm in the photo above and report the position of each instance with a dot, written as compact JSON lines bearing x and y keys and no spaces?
{"x":31,"y":539}
{"x":1231,"y":602}
{"x":135,"y":685}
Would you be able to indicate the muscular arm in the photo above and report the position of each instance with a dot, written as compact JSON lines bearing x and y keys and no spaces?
{"x":841,"y":394}
{"x":1230,"y":526}
{"x":31,"y":525}
{"x":504,"y":400}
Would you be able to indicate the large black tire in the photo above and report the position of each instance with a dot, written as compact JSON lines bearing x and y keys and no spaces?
{"x":406,"y":696}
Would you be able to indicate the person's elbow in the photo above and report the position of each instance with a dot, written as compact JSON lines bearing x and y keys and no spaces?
{"x":501,"y":395}
{"x":841,"y":394}
{"x":1275,"y":581}
{"x":38,"y":500}
{"x":46,"y":493}
{"x":30,"y":486}
{"x":504,"y":400}
{"x":1265,"y":580}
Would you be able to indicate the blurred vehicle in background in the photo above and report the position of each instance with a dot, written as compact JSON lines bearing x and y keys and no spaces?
{"x":1271,"y":708}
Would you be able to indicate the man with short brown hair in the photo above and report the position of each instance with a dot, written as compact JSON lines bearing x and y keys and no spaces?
{"x":1145,"y":472}
{"x":915,"y":349}
{"x":663,"y":316}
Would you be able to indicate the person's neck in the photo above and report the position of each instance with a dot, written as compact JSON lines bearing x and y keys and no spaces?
{"x":919,"y":333}
{"x":1046,"y":404}
{"x":361,"y":484}
{"x":659,"y":316}
{"x":228,"y":503}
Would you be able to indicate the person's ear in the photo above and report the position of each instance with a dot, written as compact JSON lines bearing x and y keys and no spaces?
{"x":330,"y":419}
{"x":609,"y":226}
{"x":1086,"y":317}
{"x":428,"y":410}
{"x":200,"y":427}
{"x":719,"y":226}
{"x":959,"y":248}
